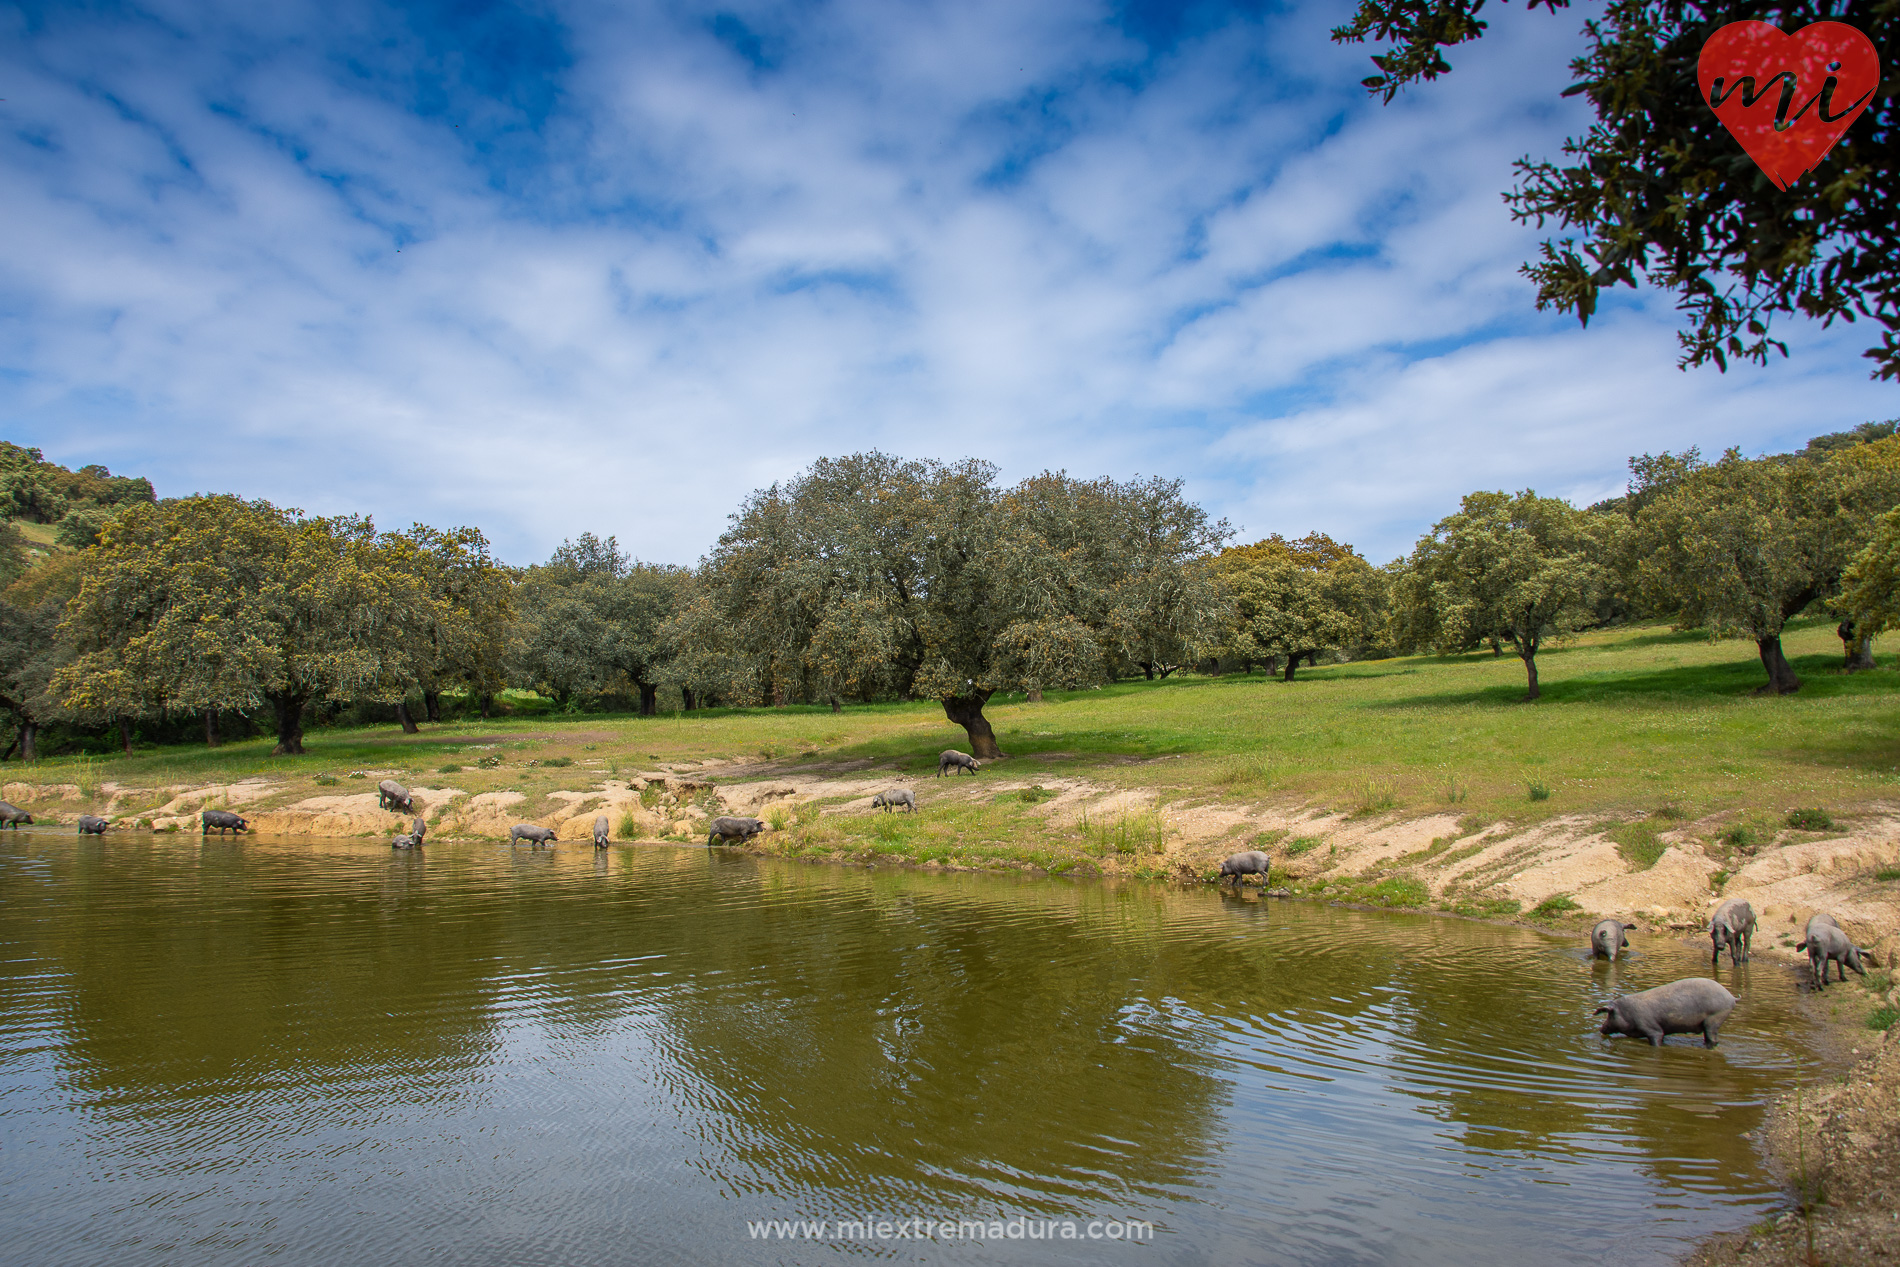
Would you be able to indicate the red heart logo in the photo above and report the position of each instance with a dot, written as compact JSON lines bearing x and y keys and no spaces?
{"x":1788,"y":98}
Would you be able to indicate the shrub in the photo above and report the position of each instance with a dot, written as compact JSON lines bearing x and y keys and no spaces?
{"x":325,"y":780}
{"x":629,"y":827}
{"x":489,"y":762}
{"x":558,"y":761}
{"x":1810,"y":820}
{"x":450,"y":768}
{"x":1742,"y":836}
{"x":1553,"y":906}
{"x":1538,"y":791}
{"x":1455,"y":792}
{"x":1671,"y":811}
{"x":1035,"y":794}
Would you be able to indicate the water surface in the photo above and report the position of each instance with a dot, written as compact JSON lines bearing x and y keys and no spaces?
{"x":322,"y":1052}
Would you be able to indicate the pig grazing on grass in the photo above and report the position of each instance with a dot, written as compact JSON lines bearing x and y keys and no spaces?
{"x":890,"y":800}
{"x":1241,"y":865}
{"x":956,"y":762}
{"x":393,"y":795}
{"x":535,"y":836}
{"x":1732,"y":925}
{"x":1681,"y":1007}
{"x":1827,"y":944}
{"x":12,"y":815}
{"x":731,"y":829}
{"x":221,"y":821}
{"x":600,"y":832}
{"x":1609,"y":938}
{"x":92,"y":825}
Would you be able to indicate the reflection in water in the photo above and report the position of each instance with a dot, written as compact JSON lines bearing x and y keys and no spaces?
{"x":217,"y":1052}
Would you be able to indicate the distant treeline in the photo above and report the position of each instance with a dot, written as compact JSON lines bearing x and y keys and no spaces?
{"x":870,"y":578}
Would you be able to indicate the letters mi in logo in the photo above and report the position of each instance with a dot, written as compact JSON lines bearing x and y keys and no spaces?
{"x":1788,"y":98}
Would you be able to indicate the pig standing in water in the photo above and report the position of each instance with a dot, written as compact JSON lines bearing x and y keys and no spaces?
{"x":1826,"y":944}
{"x":92,"y":825}
{"x":1241,"y":865}
{"x":1608,"y":938}
{"x":1732,"y":925}
{"x":535,"y":836}
{"x":12,"y":815}
{"x":728,"y":828}
{"x":1681,"y":1007}
{"x":600,"y":832}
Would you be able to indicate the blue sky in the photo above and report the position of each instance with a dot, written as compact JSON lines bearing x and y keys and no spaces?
{"x":607,"y":267}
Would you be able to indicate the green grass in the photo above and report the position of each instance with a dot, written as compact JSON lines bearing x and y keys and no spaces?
{"x":1301,"y":844}
{"x":1486,"y":908}
{"x":1392,"y":891}
{"x":1537,"y":791}
{"x":1638,"y":844}
{"x":1811,"y":820}
{"x":1887,"y":873}
{"x":1631,"y":719}
{"x":1882,"y":1018}
{"x":1553,"y":906}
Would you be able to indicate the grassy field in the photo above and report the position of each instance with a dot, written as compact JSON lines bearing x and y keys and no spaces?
{"x":1633,"y":719}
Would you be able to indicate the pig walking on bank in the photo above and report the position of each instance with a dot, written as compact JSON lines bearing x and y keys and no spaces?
{"x":956,"y":762}
{"x":221,"y":821}
{"x":731,"y":829}
{"x":393,"y":795}
{"x":892,"y":798}
{"x":600,"y":832}
{"x":1826,"y":943}
{"x":1241,"y":865}
{"x":1681,"y":1007}
{"x":92,"y":825}
{"x":1732,"y":925}
{"x":1609,"y":938}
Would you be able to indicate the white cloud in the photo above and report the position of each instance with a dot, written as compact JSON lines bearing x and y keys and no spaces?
{"x":252,"y":251}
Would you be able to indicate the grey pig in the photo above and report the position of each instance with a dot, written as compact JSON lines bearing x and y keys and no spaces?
{"x":393,"y":795}
{"x":1609,"y":938}
{"x":92,"y":825}
{"x":12,"y":815}
{"x":1678,"y":1007}
{"x":740,"y":829}
{"x":1827,"y":944}
{"x":1240,"y":865}
{"x":1681,"y":1007}
{"x":600,"y":832}
{"x":221,"y":821}
{"x":419,"y":829}
{"x":535,"y":836}
{"x":891,"y":799}
{"x":404,"y":842}
{"x":954,"y":761}
{"x":1732,"y":925}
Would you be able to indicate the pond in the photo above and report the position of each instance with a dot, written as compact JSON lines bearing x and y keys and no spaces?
{"x":232,"y":1052}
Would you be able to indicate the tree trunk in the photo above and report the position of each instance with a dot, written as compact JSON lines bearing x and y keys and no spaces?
{"x":1497,"y":649}
{"x":125,"y":735}
{"x":1171,"y":668}
{"x":29,"y":741}
{"x":1857,"y":648}
{"x":1273,"y":665}
{"x":1292,"y":662}
{"x":1035,"y":695}
{"x":402,"y":715}
{"x":1312,"y":659}
{"x":1148,"y":669}
{"x":649,"y":699}
{"x":11,"y":747}
{"x":836,"y":707}
{"x":686,"y":698}
{"x":967,"y":712}
{"x":212,"y":738}
{"x":487,"y":701}
{"x":1530,"y":671}
{"x":432,"y":705}
{"x":289,"y":711}
{"x":1781,"y":676}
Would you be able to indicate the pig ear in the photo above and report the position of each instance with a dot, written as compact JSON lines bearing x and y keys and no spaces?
{"x":1602,"y":1011}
